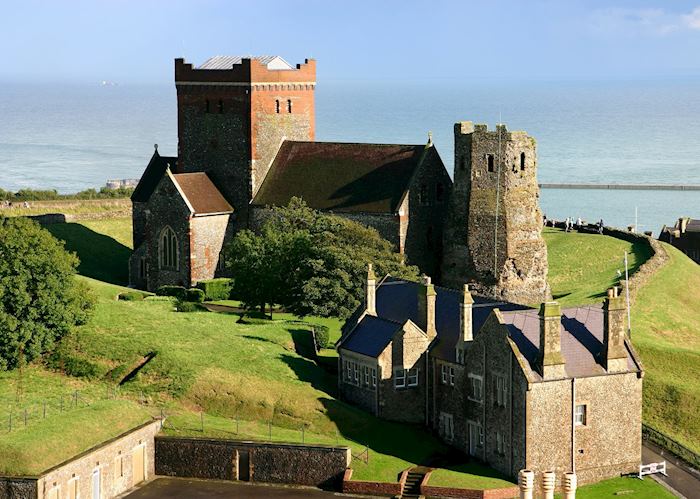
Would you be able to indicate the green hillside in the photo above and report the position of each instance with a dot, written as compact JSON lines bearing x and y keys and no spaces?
{"x":215,"y":376}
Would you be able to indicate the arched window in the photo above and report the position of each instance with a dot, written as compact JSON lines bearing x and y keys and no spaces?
{"x":289,"y":105}
{"x":522,"y":161}
{"x":168,"y":254}
{"x":221,"y":106}
{"x":277,"y":106}
{"x":489,"y":159}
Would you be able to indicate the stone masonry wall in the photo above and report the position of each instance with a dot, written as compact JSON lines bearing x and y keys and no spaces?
{"x":208,"y":236}
{"x":167,"y":208}
{"x":361,"y":396}
{"x":426,"y":214}
{"x":18,"y":488}
{"x":113,"y":461}
{"x":608,"y":445}
{"x":269,"y":462}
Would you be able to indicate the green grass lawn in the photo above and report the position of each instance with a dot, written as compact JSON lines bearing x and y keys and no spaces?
{"x":82,"y":208}
{"x":583,"y":266}
{"x":623,"y":487}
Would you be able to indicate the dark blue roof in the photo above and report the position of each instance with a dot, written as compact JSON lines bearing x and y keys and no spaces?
{"x":371,"y":336}
{"x":397,"y":302}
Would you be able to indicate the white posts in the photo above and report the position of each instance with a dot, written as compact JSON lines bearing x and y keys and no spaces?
{"x":526,"y":482}
{"x":549,"y":481}
{"x":569,"y":485}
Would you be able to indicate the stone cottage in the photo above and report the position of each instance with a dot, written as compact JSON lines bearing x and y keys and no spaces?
{"x":512,"y":386}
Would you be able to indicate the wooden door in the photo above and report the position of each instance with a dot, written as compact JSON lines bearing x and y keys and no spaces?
{"x":138,"y":465}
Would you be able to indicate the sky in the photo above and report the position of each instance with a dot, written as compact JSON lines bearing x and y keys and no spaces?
{"x":135,"y":41}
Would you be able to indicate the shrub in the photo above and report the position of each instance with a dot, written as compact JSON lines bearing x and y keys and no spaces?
{"x":177,"y":291}
{"x":216,"y":289}
{"x":321,"y":334}
{"x":132,"y":296}
{"x":194,"y":295}
{"x":187,"y":306}
{"x":253,"y":321}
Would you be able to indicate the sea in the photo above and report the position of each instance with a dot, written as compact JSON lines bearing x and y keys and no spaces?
{"x":74,"y":136}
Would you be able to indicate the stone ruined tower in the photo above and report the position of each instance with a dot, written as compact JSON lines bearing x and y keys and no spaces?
{"x":233,"y":114}
{"x":493,"y":233}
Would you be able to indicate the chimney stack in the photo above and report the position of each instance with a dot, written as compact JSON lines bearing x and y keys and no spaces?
{"x":465,"y":323}
{"x":371,"y":292}
{"x":614,"y":352}
{"x":426,"y":307}
{"x":551,"y":359}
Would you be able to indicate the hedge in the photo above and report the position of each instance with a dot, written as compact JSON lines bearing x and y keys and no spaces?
{"x":177,"y":291}
{"x":187,"y":306}
{"x":132,"y":296}
{"x":194,"y":295}
{"x":216,"y":289}
{"x":321,"y":334}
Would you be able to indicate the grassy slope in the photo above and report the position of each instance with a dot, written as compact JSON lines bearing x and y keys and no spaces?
{"x":665,"y":322}
{"x":82,"y":208}
{"x":583,"y":266}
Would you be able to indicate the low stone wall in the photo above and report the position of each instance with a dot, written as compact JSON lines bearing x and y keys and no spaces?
{"x":369,"y":488}
{"x":51,"y":218}
{"x":18,"y":488}
{"x":450,"y":492}
{"x":659,"y":257}
{"x":297,"y":464}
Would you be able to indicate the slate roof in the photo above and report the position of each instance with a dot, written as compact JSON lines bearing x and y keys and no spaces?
{"x":693,"y":225}
{"x":226,"y":61}
{"x":397,"y":301}
{"x":341,"y":177}
{"x":151,"y":176}
{"x":581,"y":339}
{"x":202,"y":194}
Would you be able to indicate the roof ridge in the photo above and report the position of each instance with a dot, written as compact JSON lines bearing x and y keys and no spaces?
{"x":352,"y":143}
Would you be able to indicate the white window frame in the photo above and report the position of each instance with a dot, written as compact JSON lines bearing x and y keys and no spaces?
{"x":500,"y":443}
{"x":581,"y":416}
{"x":447,"y":428}
{"x":399,"y":378}
{"x":443,"y":369}
{"x":74,"y":484}
{"x":366,"y":375}
{"x":348,"y":371}
{"x":374,"y":377}
{"x":356,"y":373}
{"x":481,"y":434}
{"x":473,"y":378}
{"x":451,"y":375}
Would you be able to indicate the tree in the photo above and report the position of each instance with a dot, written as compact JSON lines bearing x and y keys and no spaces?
{"x":309,"y":262}
{"x":40,"y":297}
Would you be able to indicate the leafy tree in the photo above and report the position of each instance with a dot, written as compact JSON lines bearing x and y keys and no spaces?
{"x":40,"y":298}
{"x":309,"y":262}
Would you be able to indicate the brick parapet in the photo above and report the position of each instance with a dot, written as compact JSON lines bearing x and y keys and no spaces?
{"x":247,"y":72}
{"x":369,"y":488}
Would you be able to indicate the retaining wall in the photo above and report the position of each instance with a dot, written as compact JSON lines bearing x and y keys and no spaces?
{"x":297,"y":464}
{"x":18,"y":488}
{"x":370,"y":488}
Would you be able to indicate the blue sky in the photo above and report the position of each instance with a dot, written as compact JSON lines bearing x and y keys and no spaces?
{"x":131,"y":41}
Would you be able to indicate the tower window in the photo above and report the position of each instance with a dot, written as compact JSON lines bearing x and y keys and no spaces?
{"x":168,"y":254}
{"x":489,"y":159}
{"x":277,"y":106}
{"x":207,"y":106}
{"x":439,"y":192}
{"x":289,"y":105}
{"x":221,"y":106}
{"x":522,"y":161}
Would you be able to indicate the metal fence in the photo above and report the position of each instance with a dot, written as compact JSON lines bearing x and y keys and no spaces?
{"x":677,"y":449}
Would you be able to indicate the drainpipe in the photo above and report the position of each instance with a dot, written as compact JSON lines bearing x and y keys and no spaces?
{"x":573,"y":425}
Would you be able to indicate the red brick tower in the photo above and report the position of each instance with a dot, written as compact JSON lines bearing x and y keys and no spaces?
{"x":233,"y":114}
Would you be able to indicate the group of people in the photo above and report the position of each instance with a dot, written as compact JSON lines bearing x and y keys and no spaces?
{"x":9,"y":204}
{"x":570,"y":224}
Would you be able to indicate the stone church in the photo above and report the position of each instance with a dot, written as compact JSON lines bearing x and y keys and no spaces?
{"x":246,"y":128}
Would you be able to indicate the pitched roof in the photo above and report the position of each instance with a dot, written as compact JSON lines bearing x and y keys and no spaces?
{"x":226,"y":61}
{"x":342,"y":177}
{"x":151,"y":176}
{"x":397,"y":301}
{"x":201,"y":193}
{"x":371,"y":336}
{"x":581,"y":339}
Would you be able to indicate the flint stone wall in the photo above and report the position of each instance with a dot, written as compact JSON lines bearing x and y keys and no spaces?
{"x":315,"y":465}
{"x":18,"y":488}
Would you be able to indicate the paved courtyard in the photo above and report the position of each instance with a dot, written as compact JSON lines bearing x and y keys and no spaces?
{"x":185,"y":488}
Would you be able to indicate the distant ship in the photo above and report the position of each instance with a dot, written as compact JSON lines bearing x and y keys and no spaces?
{"x":106,"y":83}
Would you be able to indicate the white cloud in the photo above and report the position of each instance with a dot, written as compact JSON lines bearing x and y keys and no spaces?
{"x":645,"y":21}
{"x":692,"y":20}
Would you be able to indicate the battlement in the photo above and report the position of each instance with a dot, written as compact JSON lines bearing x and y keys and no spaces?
{"x":468,"y":128}
{"x":248,"y":71}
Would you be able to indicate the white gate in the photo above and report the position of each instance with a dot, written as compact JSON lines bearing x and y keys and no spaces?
{"x":651,"y":468}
